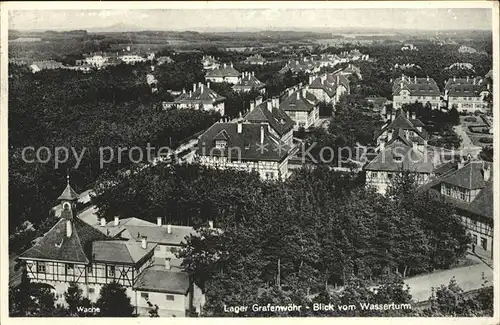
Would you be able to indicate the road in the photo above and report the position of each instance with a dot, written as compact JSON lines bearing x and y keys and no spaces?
{"x":467,"y":146}
{"x":468,"y":278}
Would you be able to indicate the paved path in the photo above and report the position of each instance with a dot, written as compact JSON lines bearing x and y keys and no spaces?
{"x":468,"y":278}
{"x":467,"y":146}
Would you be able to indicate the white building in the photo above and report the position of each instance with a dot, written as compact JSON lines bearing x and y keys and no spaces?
{"x":201,"y":97}
{"x":302,"y":107}
{"x":225,"y":73}
{"x":96,"y":60}
{"x":407,"y":90}
{"x":467,"y":94}
{"x":248,"y":82}
{"x":269,"y":113}
{"x":132,"y":58}
{"x":92,"y":255}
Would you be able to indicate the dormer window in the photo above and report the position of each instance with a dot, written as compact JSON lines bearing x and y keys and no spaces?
{"x":398,"y":158}
{"x":221,"y":144}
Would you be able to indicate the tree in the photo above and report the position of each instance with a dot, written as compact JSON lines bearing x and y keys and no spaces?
{"x":73,"y":297}
{"x":22,"y":302}
{"x":114,"y":302}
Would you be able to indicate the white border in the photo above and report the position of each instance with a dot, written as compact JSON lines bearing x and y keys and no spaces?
{"x":80,"y":5}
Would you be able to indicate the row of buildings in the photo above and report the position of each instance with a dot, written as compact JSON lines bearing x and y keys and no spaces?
{"x":465,"y":94}
{"x":140,"y":255}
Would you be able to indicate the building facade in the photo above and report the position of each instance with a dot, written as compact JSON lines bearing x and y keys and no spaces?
{"x":302,"y":107}
{"x":201,"y":97}
{"x":467,"y":94}
{"x":225,"y":73}
{"x":406,"y":90}
{"x":245,"y":146}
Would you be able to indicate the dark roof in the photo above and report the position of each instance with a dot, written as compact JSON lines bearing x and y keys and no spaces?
{"x":118,"y":251}
{"x":402,"y":122}
{"x":276,"y":117}
{"x":469,"y":177}
{"x":202,"y":95}
{"x":223,"y":71}
{"x":466,"y":90}
{"x":55,"y":246}
{"x":246,"y":144}
{"x":416,"y":86}
{"x":249,"y":81}
{"x":159,"y":279}
{"x":412,"y":160}
{"x":462,"y":81}
{"x":255,"y":58}
{"x":482,"y":205}
{"x":68,"y":194}
{"x":321,"y":83}
{"x":300,"y":100}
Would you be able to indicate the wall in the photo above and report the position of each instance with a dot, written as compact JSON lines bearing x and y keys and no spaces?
{"x":167,"y":308}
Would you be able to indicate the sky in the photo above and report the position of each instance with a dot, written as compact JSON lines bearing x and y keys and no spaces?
{"x":254,"y":19}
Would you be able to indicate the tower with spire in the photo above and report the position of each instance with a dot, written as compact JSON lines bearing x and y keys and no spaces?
{"x":68,"y":199}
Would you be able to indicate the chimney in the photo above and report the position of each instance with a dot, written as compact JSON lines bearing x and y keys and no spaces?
{"x":103,"y":222}
{"x":311,"y":79}
{"x":258,"y":101}
{"x":252,"y":105}
{"x":240,"y":126}
{"x":415,"y":79}
{"x":414,"y":145}
{"x":467,"y":78}
{"x":253,"y":73}
{"x":144,"y":242}
{"x":167,"y":263}
{"x":169,"y":229}
{"x":183,"y":90}
{"x":298,"y":95}
{"x":69,"y":228}
{"x":158,"y":221}
{"x":262,"y":126}
{"x":382,"y":145}
{"x":208,"y":84}
{"x":231,"y":64}
{"x":269,"y":105}
{"x":201,"y":87}
{"x":194,"y":87}
{"x":276,"y":101}
{"x":486,"y":172}
{"x":117,"y":221}
{"x":224,"y":65}
{"x":211,"y":224}
{"x":454,"y":78}
{"x":413,"y":115}
{"x":427,"y":78}
{"x":304,"y":90}
{"x":338,"y":80}
{"x":474,"y":81}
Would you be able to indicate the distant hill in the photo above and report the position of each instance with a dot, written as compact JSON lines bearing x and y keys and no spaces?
{"x":116,"y":28}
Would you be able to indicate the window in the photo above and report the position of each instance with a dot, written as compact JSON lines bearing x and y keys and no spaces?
{"x":398,"y":158}
{"x":220,"y":144}
{"x":484,"y":243}
{"x":89,"y":269}
{"x":40,"y":267}
{"x":69,"y":269}
{"x":145,"y":295}
{"x":474,"y":239}
{"x":170,"y":297}
{"x":91,"y":290}
{"x":158,"y":248}
{"x":111,"y":271}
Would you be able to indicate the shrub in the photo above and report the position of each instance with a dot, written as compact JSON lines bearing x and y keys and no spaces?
{"x":486,"y":140}
{"x":470,"y":119}
{"x":477,"y":112}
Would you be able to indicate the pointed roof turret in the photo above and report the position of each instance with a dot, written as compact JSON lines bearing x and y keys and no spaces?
{"x":69,"y":193}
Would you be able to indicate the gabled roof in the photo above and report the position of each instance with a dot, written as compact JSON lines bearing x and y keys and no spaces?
{"x":402,"y":122}
{"x":416,"y":86}
{"x":482,"y":205}
{"x":245,"y":145}
{"x":321,"y":83}
{"x":276,"y":117}
{"x":470,"y":176}
{"x":412,"y":160}
{"x":111,"y":230}
{"x":300,"y":100}
{"x":158,"y":279}
{"x":202,"y":95}
{"x":160,"y":235}
{"x":223,"y":71}
{"x":249,"y":81}
{"x":56,"y":246}
{"x":119,"y":251}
